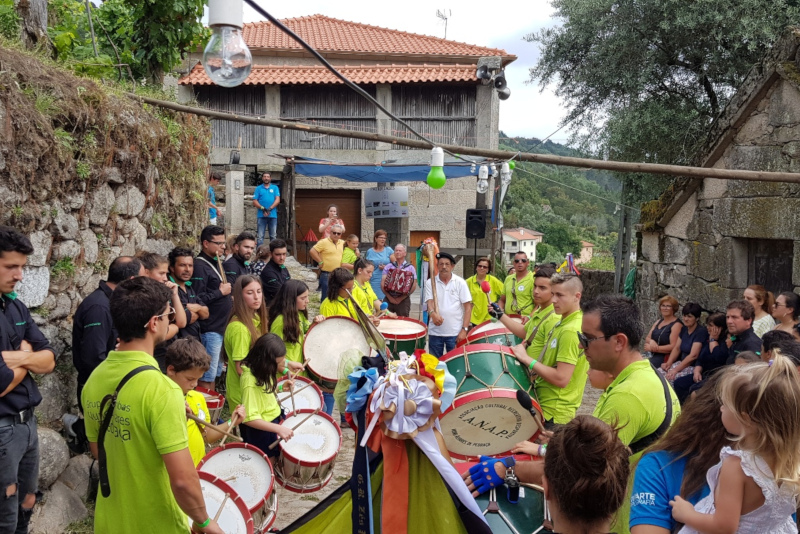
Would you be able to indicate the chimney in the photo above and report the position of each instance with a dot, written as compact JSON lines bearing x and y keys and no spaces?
{"x":522,"y":231}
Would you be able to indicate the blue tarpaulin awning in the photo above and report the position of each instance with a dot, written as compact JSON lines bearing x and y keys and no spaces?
{"x":383,"y":173}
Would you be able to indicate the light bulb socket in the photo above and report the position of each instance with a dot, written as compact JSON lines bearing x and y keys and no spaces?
{"x":226,"y":13}
{"x":483,"y":173}
{"x":437,"y":157}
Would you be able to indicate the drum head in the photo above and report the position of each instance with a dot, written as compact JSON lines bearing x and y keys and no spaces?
{"x":235,"y":517}
{"x":307,"y":397}
{"x":244,"y":468}
{"x":314,"y":442}
{"x":326,"y":341}
{"x":401,"y":328}
{"x":486,"y":423}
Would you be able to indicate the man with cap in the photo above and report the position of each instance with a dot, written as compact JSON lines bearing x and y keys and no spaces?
{"x":450,"y":310}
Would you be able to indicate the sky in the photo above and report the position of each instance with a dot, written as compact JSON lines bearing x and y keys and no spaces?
{"x":529,"y":112}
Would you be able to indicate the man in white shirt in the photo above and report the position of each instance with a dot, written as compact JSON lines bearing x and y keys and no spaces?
{"x":449,"y":315}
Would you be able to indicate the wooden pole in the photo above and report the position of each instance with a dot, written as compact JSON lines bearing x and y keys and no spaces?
{"x":585,"y":163}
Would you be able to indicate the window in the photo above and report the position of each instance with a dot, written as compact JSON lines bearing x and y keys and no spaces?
{"x":770,"y":264}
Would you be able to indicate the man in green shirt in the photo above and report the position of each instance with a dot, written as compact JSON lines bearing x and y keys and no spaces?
{"x":153,"y":481}
{"x":517,"y":295}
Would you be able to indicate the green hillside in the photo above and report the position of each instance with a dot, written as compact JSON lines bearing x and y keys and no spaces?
{"x":567,"y":205}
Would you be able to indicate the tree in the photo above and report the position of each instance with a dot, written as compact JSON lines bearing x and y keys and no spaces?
{"x":33,"y":27}
{"x":644,"y":79}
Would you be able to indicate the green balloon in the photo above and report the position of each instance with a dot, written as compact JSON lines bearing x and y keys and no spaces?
{"x":436,"y":178}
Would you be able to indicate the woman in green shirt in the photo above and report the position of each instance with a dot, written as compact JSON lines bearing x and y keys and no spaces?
{"x":260,"y":368}
{"x":248,"y":323}
{"x":480,"y":312}
{"x":338,"y":301}
{"x":288,"y":319}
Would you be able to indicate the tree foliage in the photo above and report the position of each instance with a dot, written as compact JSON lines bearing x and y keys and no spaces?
{"x":644,"y":79}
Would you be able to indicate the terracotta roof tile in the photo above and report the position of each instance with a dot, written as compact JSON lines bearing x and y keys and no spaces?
{"x":361,"y":74}
{"x":522,"y":233}
{"x":327,"y":34}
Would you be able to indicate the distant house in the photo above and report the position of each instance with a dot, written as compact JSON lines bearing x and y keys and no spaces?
{"x":587,"y":250}
{"x":706,"y":240}
{"x":516,"y":239}
{"x":429,"y":82}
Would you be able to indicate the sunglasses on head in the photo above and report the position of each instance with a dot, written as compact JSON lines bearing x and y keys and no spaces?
{"x":170,"y":313}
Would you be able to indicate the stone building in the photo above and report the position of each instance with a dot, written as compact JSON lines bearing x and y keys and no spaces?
{"x":429,"y":82}
{"x":706,"y":240}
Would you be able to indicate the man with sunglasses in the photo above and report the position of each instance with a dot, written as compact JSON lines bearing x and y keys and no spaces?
{"x":147,"y":430}
{"x":207,"y":283}
{"x":517,"y":295}
{"x":328,"y":254}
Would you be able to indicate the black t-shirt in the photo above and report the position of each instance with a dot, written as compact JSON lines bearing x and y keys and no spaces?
{"x":273,"y":276}
{"x":234,"y":268}
{"x":93,"y":332}
{"x":747,"y":340}
{"x":206,"y":281}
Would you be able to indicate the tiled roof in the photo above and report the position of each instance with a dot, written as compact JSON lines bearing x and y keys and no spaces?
{"x":586,"y":244}
{"x":521,"y":233}
{"x":361,"y":74}
{"x":327,"y":34}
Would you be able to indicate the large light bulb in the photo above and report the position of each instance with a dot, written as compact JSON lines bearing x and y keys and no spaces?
{"x":436,"y":177}
{"x":226,"y":59}
{"x":483,"y":186}
{"x":505,"y":173}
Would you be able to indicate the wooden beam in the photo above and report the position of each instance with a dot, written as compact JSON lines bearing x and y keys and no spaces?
{"x":584,"y":163}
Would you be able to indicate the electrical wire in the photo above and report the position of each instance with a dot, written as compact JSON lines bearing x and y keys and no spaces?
{"x":615,"y":202}
{"x":336,"y":73}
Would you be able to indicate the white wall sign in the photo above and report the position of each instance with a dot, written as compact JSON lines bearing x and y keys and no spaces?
{"x":385,"y":203}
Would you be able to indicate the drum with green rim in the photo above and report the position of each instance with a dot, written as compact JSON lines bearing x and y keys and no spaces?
{"x":493,"y":332}
{"x":524,"y":517}
{"x":403,"y":334}
{"x":485,"y":417}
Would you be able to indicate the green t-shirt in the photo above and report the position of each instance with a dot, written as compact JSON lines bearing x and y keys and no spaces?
{"x":237,"y":346}
{"x":560,"y":404}
{"x":294,"y":351}
{"x":339,"y":307}
{"x":365,"y":297}
{"x":257,"y":402}
{"x":349,"y":256}
{"x":523,"y":289}
{"x":480,"y":308}
{"x":545,"y":319}
{"x":149,"y":422}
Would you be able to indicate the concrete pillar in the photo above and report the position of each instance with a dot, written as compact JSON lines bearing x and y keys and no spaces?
{"x":383,"y":94}
{"x":273,"y":96}
{"x":234,"y":199}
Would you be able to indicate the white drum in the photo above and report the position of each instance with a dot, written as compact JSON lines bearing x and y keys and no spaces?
{"x":306,"y":461}
{"x":249,"y":473}
{"x":235,"y":518}
{"x":403,"y":334}
{"x":307,"y":395}
{"x":324,"y":344}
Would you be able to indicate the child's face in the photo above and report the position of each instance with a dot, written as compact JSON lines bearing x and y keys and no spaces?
{"x":252,"y":295}
{"x":159,"y":274}
{"x":599,"y":379}
{"x":281,"y":364}
{"x":731,"y":424}
{"x":186,"y":379}
{"x":353,"y":244}
{"x":349,"y":287}
{"x":302,"y":301}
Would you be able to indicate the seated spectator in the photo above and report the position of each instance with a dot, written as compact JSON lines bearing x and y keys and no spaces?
{"x":789,"y":349}
{"x":786,"y":311}
{"x":763,"y":301}
{"x":770,"y":339}
{"x":261,"y":258}
{"x":585,"y":475}
{"x":745,"y":357}
{"x":664,"y":334}
{"x":712,"y":357}
{"x":692,"y":339}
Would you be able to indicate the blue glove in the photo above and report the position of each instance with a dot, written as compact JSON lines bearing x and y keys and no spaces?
{"x":495,"y":311}
{"x":484,"y":474}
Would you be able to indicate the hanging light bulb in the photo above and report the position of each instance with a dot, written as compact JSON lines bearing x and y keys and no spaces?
{"x":436,"y":177}
{"x":472,"y":169}
{"x":483,"y":179}
{"x":493,"y":168}
{"x":226,"y":59}
{"x":505,"y":173}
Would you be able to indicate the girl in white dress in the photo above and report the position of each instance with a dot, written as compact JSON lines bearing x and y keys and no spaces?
{"x":754,"y":487}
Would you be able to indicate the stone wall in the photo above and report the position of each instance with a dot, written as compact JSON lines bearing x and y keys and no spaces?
{"x":702,"y":253}
{"x":596,"y":283}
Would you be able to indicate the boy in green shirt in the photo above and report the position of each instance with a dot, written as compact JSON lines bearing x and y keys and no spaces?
{"x":350,"y":253}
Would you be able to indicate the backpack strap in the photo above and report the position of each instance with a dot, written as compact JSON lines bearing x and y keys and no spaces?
{"x":110,"y":401}
{"x":642,"y":444}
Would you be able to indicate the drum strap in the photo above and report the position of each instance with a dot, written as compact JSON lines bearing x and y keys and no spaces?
{"x":536,"y":329}
{"x":110,"y":402}
{"x":641,"y":444}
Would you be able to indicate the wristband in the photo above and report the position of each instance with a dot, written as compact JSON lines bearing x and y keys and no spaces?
{"x":285,"y":371}
{"x":280,"y":388}
{"x":530,"y":367}
{"x":204,"y":524}
{"x":543,"y":449}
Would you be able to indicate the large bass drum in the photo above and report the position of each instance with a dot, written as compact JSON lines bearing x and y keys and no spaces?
{"x":324,"y":344}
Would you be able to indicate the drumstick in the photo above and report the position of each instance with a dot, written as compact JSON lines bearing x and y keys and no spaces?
{"x":309,"y":416}
{"x":232,"y":423}
{"x":303,"y":368}
{"x":298,"y":391}
{"x":221,"y":270}
{"x":221,"y":506}
{"x":219,"y":429}
{"x":291,"y":395}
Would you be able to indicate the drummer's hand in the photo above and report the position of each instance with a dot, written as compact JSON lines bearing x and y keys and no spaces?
{"x":436,"y":318}
{"x":319,"y":318}
{"x":188,"y":408}
{"x":375,"y":320}
{"x":393,"y":315}
{"x":212,"y":528}
{"x":241,"y":413}
{"x":526,"y":447}
{"x":284,"y":432}
{"x":544,"y":437}
{"x":462,"y":335}
{"x":479,"y":477}
{"x":294,"y":366}
{"x":519,"y":351}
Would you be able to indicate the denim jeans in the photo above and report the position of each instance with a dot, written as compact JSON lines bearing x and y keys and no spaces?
{"x":264,"y":224}
{"x":19,"y":464}
{"x":213,"y":344}
{"x":323,"y":283}
{"x":441,"y":345}
{"x":329,"y":402}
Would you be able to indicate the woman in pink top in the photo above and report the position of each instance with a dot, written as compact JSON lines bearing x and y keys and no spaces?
{"x":332,"y":218}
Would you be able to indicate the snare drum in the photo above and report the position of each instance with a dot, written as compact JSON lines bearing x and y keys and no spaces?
{"x":324,"y":344}
{"x":235,"y":517}
{"x":215,"y":401}
{"x":306,"y":461}
{"x":485,"y":417}
{"x":493,"y":332}
{"x":403,"y":334}
{"x":307,"y":395}
{"x":249,"y":472}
